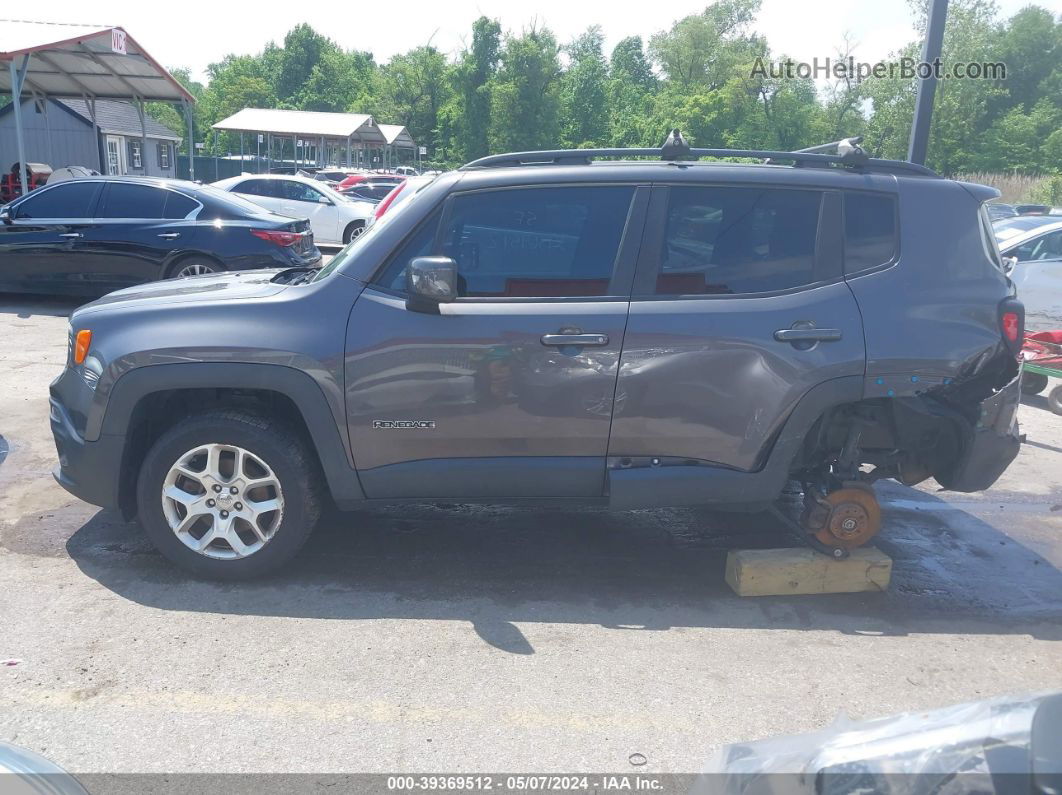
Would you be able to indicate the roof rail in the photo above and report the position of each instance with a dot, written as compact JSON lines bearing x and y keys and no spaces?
{"x":849,"y":155}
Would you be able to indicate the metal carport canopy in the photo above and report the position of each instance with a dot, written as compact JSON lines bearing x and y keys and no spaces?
{"x":49,"y":59}
{"x":303,"y":122}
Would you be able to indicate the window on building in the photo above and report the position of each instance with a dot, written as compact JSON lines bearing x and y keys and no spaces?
{"x":729,"y":240}
{"x":136,"y":156}
{"x":869,"y":230}
{"x":164,"y":155}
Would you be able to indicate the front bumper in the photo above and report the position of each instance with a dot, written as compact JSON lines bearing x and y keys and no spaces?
{"x":88,"y":470}
{"x":992,"y":443}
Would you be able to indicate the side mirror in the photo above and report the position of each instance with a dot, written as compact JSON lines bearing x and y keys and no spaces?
{"x":5,"y":215}
{"x":1008,"y":264}
{"x":323,"y":200}
{"x":430,"y":281}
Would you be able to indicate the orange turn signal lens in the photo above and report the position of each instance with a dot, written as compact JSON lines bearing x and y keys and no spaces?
{"x":81,"y":345}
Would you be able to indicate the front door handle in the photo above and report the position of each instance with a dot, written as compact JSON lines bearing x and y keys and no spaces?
{"x":169,"y":235}
{"x":808,"y":334}
{"x":70,"y":235}
{"x":575,"y":339}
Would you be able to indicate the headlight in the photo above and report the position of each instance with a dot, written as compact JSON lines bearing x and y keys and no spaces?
{"x":91,"y":371}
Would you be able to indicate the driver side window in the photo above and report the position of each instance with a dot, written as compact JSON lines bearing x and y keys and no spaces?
{"x":418,"y":244}
{"x":296,"y":191}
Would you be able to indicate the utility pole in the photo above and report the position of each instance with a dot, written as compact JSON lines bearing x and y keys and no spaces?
{"x":923,"y":113}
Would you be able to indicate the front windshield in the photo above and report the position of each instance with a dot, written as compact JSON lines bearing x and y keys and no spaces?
{"x":332,"y":193}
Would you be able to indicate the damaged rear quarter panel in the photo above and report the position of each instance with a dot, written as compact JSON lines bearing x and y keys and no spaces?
{"x":932,"y":317}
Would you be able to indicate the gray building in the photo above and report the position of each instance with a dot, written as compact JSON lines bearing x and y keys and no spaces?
{"x":60,"y":132}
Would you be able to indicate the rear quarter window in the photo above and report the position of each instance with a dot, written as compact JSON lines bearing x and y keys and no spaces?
{"x":988,"y":238}
{"x":871,"y":237}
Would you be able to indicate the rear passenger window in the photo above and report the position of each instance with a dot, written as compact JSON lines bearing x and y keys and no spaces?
{"x":727,"y":240}
{"x":536,"y":242}
{"x":178,"y":205}
{"x":869,"y":230}
{"x":123,"y":200}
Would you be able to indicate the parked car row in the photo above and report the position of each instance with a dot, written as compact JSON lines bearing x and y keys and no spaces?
{"x":91,"y":235}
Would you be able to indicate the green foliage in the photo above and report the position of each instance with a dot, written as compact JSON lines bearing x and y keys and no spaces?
{"x":524,"y":97}
{"x":509,"y":92}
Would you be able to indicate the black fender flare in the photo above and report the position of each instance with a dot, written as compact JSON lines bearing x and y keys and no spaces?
{"x":327,"y":431}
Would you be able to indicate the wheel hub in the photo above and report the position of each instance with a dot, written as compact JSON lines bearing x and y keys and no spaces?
{"x":848,"y":517}
{"x":222,"y":501}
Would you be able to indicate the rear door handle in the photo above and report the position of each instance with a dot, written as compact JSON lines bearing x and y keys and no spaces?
{"x":71,"y":234}
{"x":575,"y":339}
{"x":169,"y":235}
{"x":808,"y":334}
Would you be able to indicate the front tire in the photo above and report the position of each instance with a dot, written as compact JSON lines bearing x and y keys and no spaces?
{"x":229,"y":495}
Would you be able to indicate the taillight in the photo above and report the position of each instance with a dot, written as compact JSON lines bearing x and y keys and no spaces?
{"x":381,"y":208}
{"x":1012,"y":323}
{"x":278,"y":236}
{"x":1011,"y":326}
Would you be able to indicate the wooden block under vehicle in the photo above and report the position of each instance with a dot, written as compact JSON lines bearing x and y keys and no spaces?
{"x":781,"y":572}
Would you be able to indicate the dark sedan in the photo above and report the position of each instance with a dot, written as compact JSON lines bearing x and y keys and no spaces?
{"x":93,"y":235}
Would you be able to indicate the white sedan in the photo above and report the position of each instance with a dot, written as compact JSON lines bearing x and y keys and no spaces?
{"x":335,"y":219}
{"x":1035,"y":241}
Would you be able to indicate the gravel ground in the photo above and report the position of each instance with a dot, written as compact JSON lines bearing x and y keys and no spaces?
{"x":458,"y":638}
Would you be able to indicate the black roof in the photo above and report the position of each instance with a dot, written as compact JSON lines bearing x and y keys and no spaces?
{"x":120,"y":118}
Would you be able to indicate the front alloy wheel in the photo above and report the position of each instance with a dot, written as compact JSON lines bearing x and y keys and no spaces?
{"x":222,"y":501}
{"x":229,"y":493}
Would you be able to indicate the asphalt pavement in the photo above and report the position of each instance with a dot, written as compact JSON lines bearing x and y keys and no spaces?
{"x":451,"y":637}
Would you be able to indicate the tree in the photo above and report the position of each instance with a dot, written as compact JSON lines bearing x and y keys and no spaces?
{"x":466,"y":119}
{"x":1031,"y":47}
{"x":631,"y":86}
{"x":703,"y":49}
{"x":525,"y":109}
{"x":583,"y":91}
{"x":340,"y":82}
{"x":413,"y":88}
{"x":304,"y":49}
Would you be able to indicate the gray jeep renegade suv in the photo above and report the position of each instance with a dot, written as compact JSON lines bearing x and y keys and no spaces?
{"x":564,"y":326}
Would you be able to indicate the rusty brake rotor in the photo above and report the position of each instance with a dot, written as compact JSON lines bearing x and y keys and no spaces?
{"x":851,"y":517}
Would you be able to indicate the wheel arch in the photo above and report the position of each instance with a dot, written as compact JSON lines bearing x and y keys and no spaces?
{"x":146,"y":401}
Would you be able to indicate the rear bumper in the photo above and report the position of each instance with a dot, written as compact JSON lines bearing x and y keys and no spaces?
{"x":88,"y":470}
{"x":992,"y":443}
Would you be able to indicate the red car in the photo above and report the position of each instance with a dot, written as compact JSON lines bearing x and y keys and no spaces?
{"x":354,"y":179}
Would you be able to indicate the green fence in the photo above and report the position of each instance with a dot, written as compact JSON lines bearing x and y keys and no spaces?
{"x":211,"y":169}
